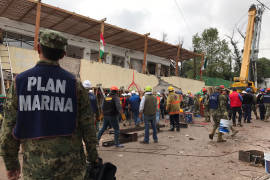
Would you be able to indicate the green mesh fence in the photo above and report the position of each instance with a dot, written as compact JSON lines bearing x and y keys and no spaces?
{"x":209,"y":81}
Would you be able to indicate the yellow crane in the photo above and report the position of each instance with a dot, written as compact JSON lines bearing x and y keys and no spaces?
{"x":248,"y":75}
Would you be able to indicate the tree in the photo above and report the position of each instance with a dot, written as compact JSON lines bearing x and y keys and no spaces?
{"x":216,"y":51}
{"x":263,"y":69}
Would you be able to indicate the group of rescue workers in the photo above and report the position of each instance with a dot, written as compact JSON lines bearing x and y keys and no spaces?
{"x":150,"y":107}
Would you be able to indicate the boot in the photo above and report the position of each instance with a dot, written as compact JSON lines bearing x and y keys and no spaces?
{"x":234,"y":124}
{"x":234,"y":132}
{"x":211,"y":136}
{"x":220,"y":139}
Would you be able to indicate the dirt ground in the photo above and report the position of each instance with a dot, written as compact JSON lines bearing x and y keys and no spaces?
{"x":188,"y":155}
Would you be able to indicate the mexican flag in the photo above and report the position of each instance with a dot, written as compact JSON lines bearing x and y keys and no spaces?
{"x":204,"y":66}
{"x":102,"y":44}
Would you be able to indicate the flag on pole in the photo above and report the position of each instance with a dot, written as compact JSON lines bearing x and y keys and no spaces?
{"x":102,"y":44}
{"x":204,"y":66}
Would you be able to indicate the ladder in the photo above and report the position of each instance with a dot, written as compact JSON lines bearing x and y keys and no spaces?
{"x":6,"y":74}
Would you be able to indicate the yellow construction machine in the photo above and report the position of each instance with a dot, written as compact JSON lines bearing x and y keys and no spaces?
{"x":248,"y":74}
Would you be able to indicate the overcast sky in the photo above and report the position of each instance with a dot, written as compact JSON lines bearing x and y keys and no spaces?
{"x":179,"y":19}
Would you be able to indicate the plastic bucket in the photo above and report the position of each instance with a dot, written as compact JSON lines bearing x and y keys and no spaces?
{"x":225,"y":125}
{"x":267,"y":162}
{"x":188,"y":117}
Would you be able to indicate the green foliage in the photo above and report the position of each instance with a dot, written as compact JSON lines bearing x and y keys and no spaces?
{"x":217,"y":53}
{"x":263,"y":69}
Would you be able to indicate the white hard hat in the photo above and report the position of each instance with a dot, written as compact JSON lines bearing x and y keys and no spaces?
{"x":244,"y":92}
{"x":129,"y":94}
{"x":91,"y":91}
{"x":158,"y":93}
{"x":87,"y":84}
{"x":133,"y":92}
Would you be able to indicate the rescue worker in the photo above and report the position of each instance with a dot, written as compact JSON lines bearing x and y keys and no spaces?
{"x":158,"y":110}
{"x":215,"y":112}
{"x":236,"y":104}
{"x":254,"y":104}
{"x":190,"y":101}
{"x":266,"y":101}
{"x":197,"y":105}
{"x":247,"y":102}
{"x":93,"y":102}
{"x":111,"y":110}
{"x":148,"y":108}
{"x":173,"y":108}
{"x":261,"y":104}
{"x":134,"y":102}
{"x":163,"y":105}
{"x":223,"y":104}
{"x":47,"y":113}
{"x":205,"y":102}
{"x":127,"y":110}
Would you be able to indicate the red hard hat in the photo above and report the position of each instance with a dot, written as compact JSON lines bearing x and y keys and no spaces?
{"x":222,"y":86}
{"x":114,"y":88}
{"x":204,"y":90}
{"x":268,"y":89}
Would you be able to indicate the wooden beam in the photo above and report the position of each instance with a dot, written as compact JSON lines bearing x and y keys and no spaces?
{"x":162,"y":49}
{"x":126,"y":42}
{"x":177,"y":60}
{"x":114,"y":34}
{"x":101,"y":34}
{"x":61,"y":21}
{"x":37,"y":25}
{"x":145,"y":52}
{"x":28,"y":11}
{"x":6,"y":8}
{"x":149,"y":46}
{"x":87,"y":29}
{"x":72,"y":25}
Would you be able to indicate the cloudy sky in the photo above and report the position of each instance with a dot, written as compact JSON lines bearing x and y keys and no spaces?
{"x":179,"y":19}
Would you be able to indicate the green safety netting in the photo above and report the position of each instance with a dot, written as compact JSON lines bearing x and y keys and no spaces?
{"x":210,"y":81}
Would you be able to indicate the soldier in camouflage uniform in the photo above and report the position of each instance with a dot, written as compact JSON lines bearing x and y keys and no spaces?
{"x":205,"y":102}
{"x":266,"y":100}
{"x":196,"y":104}
{"x":45,"y":155}
{"x":224,"y":114}
{"x":215,"y":112}
{"x":253,"y":106}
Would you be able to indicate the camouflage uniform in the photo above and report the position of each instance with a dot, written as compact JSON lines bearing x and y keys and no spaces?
{"x":60,"y":157}
{"x":216,"y":115}
{"x":223,"y":102}
{"x":253,"y":106}
{"x":196,"y":105}
{"x":205,"y":102}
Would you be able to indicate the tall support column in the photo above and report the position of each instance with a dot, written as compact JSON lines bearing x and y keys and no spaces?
{"x":145,"y":52}
{"x":202,"y":63}
{"x":101,"y":33}
{"x":177,"y":60}
{"x":37,"y":24}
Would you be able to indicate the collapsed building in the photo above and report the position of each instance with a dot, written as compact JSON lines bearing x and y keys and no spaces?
{"x":125,"y":51}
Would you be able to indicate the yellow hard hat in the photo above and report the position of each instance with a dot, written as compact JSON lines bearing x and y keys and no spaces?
{"x":189,"y":92}
{"x":170,"y":88}
{"x":148,"y":89}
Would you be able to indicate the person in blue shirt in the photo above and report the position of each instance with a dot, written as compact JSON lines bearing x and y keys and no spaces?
{"x":93,"y":102}
{"x":134,"y":102}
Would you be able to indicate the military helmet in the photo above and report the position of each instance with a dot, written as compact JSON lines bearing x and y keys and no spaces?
{"x":52,"y":39}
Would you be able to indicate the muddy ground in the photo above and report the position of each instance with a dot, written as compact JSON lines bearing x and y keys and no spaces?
{"x":188,"y":154}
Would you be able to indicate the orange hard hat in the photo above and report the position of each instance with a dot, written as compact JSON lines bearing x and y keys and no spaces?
{"x":268,"y":89}
{"x":222,"y":86}
{"x":204,"y":90}
{"x":114,"y":88}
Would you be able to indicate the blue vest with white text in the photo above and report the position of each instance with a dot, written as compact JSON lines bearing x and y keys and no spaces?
{"x":213,"y":100}
{"x":266,"y":98}
{"x":47,"y":102}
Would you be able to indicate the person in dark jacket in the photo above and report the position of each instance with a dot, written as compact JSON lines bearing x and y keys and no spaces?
{"x":134,"y":102}
{"x":111,"y":109}
{"x":247,"y":102}
{"x":261,"y":104}
{"x":93,"y":102}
